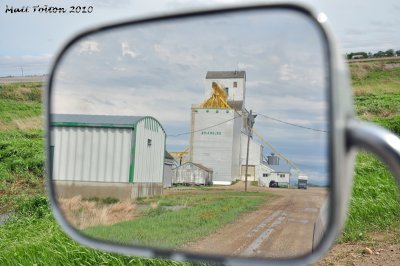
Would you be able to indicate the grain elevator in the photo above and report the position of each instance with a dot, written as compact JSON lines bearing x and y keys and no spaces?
{"x":217,"y":125}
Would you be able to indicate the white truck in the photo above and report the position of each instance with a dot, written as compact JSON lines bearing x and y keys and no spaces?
{"x":302,"y":182}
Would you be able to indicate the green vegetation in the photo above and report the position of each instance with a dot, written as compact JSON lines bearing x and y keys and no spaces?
{"x":21,"y":151}
{"x":19,"y":100}
{"x":198,"y":215}
{"x":379,"y":54}
{"x":375,"y":78}
{"x":376,"y":198}
{"x":104,"y":201}
{"x":32,"y":236}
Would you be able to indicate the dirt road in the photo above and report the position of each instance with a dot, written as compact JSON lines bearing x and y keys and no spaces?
{"x":280,"y":228}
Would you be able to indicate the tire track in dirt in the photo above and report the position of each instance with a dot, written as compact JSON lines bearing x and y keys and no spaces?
{"x":282,"y":227}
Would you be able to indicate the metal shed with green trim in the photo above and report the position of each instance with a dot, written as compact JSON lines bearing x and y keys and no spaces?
{"x":107,"y":156}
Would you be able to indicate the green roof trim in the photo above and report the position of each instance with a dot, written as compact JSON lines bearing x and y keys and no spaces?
{"x":80,"y":124}
{"x":103,"y":121}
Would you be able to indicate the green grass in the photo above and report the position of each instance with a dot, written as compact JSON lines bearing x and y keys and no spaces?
{"x":12,"y":109}
{"x":384,"y":105}
{"x":374,"y":78}
{"x":19,"y":100}
{"x":202,"y":215}
{"x":34,"y":238}
{"x":254,"y":183}
{"x":375,"y":199}
{"x":21,"y":166}
{"x":22,"y":91}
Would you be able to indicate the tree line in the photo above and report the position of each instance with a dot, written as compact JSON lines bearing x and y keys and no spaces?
{"x":361,"y":55}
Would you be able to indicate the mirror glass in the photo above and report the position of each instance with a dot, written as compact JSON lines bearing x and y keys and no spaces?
{"x":156,"y":127}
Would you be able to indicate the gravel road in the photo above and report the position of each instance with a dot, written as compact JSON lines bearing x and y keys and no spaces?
{"x":282,"y":227}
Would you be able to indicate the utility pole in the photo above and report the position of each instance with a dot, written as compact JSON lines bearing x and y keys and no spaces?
{"x":22,"y":71}
{"x":249,"y":125}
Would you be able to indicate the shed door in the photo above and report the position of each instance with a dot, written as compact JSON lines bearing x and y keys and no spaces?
{"x":251,"y":173}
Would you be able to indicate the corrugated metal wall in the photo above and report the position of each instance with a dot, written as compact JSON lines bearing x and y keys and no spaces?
{"x":149,"y":159}
{"x":191,"y":174}
{"x":91,"y":154}
{"x":168,"y":174}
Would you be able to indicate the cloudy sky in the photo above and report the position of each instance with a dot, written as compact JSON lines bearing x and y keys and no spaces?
{"x":159,"y":70}
{"x":31,"y":40}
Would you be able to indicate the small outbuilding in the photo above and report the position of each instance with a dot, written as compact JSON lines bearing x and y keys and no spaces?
{"x":107,"y":156}
{"x":169,"y":164}
{"x":192,"y":174}
{"x":280,"y":175}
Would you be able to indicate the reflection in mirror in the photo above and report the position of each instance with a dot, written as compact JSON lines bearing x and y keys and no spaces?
{"x":156,"y":128}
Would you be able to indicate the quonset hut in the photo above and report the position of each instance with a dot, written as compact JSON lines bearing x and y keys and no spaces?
{"x":107,"y":156}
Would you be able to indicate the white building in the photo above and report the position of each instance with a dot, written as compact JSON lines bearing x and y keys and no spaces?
{"x":169,"y":164}
{"x":215,"y":142}
{"x":215,"y":138}
{"x":219,"y":135}
{"x":255,"y":167}
{"x":107,"y":156}
{"x":276,"y":173}
{"x":192,"y":174}
{"x":234,"y":83}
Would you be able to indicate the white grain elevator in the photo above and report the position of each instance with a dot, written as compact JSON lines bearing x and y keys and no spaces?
{"x":216,"y":125}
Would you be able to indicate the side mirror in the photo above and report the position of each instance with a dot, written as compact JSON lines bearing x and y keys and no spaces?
{"x":224,"y":136}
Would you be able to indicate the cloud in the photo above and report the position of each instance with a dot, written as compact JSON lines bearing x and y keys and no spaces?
{"x":300,"y":73}
{"x":127,"y":50}
{"x":189,"y":55}
{"x":167,"y":77}
{"x":246,"y":66}
{"x":116,"y":68}
{"x":28,"y":64}
{"x":88,"y":47}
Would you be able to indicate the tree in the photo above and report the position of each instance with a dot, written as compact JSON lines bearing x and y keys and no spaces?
{"x":357,"y":55}
{"x":380,"y":54}
{"x":390,"y":52}
{"x":398,"y":52}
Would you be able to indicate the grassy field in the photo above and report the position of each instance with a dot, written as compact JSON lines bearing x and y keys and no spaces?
{"x":21,"y":144}
{"x":33,"y":237}
{"x":376,"y":198}
{"x":200,"y":215}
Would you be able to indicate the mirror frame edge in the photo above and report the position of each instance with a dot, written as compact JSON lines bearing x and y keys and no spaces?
{"x":377,"y":140}
{"x":340,"y":109}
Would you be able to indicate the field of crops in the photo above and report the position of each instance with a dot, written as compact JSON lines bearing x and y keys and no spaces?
{"x":31,"y":236}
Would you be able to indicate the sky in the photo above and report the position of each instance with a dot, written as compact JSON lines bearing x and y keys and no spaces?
{"x":30,"y":42}
{"x":159,"y":70}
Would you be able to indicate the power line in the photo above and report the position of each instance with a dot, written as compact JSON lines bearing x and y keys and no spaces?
{"x":275,"y":150}
{"x":291,"y":124}
{"x":189,"y":132}
{"x":240,"y":115}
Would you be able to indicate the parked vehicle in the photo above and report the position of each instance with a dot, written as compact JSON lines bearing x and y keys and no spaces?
{"x":273,"y":183}
{"x":302,"y":182}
